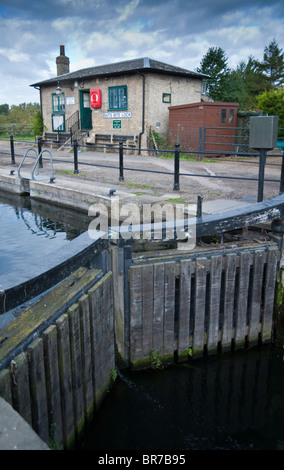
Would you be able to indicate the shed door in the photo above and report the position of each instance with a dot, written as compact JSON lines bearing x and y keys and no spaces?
{"x":85,"y":110}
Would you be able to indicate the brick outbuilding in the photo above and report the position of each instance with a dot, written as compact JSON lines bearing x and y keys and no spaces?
{"x":187,"y":123}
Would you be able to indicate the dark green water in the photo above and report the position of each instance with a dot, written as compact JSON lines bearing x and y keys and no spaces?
{"x":227,"y":403}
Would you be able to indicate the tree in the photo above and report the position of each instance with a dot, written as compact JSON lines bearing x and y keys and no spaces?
{"x":273,"y":65}
{"x":245,"y":83}
{"x":38,"y":124}
{"x":271,"y":103}
{"x":214,"y":64}
{"x":4,"y":109}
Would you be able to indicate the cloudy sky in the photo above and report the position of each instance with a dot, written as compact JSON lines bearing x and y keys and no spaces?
{"x":97,"y":32}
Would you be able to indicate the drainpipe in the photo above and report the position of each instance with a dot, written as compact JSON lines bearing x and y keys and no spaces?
{"x":143,"y":111}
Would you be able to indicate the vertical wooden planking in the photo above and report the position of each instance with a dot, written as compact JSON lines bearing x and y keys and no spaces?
{"x":53,"y":392}
{"x":241,"y":326}
{"x":169,"y":318}
{"x":65,"y":374}
{"x":136,"y":309}
{"x":200,"y":299}
{"x":102,"y":334}
{"x":147,"y":306}
{"x":214,"y":309}
{"x":184,"y":311}
{"x":229,"y":287}
{"x":77,"y":367}
{"x":273,"y":256}
{"x":117,"y":260}
{"x":87,"y":364}
{"x":38,"y":389}
{"x":158,"y":306}
{"x":256,"y":297}
{"x":5,"y":385}
{"x":21,"y":388}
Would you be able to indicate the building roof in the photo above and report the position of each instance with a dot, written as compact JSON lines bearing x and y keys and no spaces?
{"x":129,"y":66}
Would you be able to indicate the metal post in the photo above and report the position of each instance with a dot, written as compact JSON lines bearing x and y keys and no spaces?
{"x":200,"y":143}
{"x":39,"y":151}
{"x":121,"y":177}
{"x":176,"y":177}
{"x":75,"y":146}
{"x":12,"y":149}
{"x":281,"y":190}
{"x":199,"y":206}
{"x":204,"y":140}
{"x":262,"y":160}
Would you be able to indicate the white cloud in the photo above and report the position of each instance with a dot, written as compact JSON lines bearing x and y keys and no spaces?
{"x":97,"y":32}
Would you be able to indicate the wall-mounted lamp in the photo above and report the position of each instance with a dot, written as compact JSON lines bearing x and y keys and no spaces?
{"x":59,"y":87}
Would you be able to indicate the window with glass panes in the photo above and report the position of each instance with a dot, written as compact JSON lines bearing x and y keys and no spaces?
{"x":117,"y":97}
{"x":58,"y":103}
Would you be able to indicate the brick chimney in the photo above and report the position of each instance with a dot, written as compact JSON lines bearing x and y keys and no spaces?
{"x":62,"y":62}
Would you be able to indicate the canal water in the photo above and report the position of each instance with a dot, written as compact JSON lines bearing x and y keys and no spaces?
{"x":32,"y":231}
{"x":233,"y":402}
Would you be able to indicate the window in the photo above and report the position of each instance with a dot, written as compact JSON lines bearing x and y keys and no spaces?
{"x":58,"y":103}
{"x":223,"y":116}
{"x":231,"y":115}
{"x":58,"y":122}
{"x":117,"y":97}
{"x":166,"y":97}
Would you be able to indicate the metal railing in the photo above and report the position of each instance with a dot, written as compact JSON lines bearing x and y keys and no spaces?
{"x":260,"y":157}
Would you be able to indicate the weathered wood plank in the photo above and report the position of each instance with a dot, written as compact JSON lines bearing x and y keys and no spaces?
{"x":169,"y":318}
{"x":241,"y":311}
{"x":136,"y":309}
{"x":38,"y":389}
{"x":21,"y":387}
{"x":77,"y":367}
{"x":65,"y":374}
{"x":147,"y":305}
{"x":229,"y":287}
{"x":53,"y":393}
{"x":200,"y":299}
{"x":184,"y":310}
{"x":101,"y":318}
{"x":87,"y":364}
{"x":158,"y":307}
{"x":5,"y":385}
{"x":273,"y":256}
{"x":256,"y":296}
{"x":214,"y":309}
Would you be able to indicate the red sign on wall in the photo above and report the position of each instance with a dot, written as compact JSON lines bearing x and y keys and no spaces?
{"x":96,"y":98}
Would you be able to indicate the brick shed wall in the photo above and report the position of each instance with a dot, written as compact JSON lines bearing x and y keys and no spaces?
{"x":185,"y":123}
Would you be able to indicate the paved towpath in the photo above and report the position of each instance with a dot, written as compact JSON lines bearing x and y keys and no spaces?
{"x":158,"y":183}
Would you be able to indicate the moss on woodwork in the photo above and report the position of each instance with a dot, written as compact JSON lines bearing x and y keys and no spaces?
{"x":153,"y":361}
{"x":31,"y":319}
{"x":279,"y":296}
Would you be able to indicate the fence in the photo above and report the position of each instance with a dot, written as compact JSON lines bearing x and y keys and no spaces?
{"x":229,"y":139}
{"x":260,"y":158}
{"x":23,"y":130}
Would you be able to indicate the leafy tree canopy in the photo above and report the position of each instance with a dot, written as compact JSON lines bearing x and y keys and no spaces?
{"x":18,"y":114}
{"x":248,"y":80}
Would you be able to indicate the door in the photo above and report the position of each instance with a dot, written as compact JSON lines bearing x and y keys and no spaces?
{"x":85,"y":110}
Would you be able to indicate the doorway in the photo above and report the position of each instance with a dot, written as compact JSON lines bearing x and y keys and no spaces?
{"x":85,"y":110}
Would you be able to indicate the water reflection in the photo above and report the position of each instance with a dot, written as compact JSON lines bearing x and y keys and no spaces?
{"x":233,"y":403}
{"x":32,"y":230}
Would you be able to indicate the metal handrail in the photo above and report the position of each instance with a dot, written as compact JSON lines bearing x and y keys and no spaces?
{"x":52,"y":178}
{"x":36,"y":165}
{"x":23,"y":159}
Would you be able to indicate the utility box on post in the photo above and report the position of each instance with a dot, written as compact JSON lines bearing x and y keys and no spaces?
{"x":263,"y":132}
